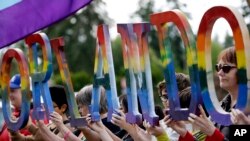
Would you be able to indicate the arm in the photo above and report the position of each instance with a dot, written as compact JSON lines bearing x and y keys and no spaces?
{"x":153,"y":130}
{"x":99,"y":128}
{"x":89,"y":134}
{"x":16,"y":136}
{"x":134,"y":131}
{"x":178,"y":126}
{"x":65,"y":131}
{"x":113,"y":136}
{"x":46,"y":133}
{"x":32,"y":129}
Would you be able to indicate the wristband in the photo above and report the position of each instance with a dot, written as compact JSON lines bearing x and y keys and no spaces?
{"x":66,"y":135}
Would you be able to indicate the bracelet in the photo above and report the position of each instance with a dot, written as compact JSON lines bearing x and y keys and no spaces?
{"x":66,"y":135}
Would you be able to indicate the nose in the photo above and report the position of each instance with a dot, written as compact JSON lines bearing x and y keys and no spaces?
{"x":220,"y":72}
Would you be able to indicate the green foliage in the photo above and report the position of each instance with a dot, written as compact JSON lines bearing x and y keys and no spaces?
{"x":229,"y":41}
{"x":79,"y":79}
{"x":245,"y":7}
{"x":216,"y":49}
{"x":79,"y":32}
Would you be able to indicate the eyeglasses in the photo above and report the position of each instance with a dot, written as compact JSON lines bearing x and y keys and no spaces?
{"x":164,"y":97}
{"x":225,"y":68}
{"x":55,"y":106}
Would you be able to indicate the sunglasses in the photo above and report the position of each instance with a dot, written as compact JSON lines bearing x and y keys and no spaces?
{"x":225,"y":68}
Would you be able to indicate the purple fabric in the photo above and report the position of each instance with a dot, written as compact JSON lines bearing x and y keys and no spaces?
{"x":20,"y":18}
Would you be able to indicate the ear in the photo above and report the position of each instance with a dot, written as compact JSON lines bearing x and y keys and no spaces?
{"x":63,"y":108}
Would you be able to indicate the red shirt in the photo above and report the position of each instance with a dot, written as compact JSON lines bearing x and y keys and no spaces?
{"x":4,"y":134}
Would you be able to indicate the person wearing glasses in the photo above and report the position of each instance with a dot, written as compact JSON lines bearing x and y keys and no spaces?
{"x":227,"y":72}
{"x":183,"y":82}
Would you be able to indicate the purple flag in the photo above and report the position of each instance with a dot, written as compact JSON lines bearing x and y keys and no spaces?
{"x":19,"y":18}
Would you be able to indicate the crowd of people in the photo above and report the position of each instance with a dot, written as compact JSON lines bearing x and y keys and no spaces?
{"x":196,"y":128}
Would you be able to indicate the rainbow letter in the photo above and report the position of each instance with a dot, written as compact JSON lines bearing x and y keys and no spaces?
{"x":40,"y":78}
{"x":178,"y":18}
{"x":25,"y":88}
{"x":242,"y":45}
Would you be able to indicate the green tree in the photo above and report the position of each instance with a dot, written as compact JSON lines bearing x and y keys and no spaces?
{"x":245,"y":7}
{"x":228,"y":40}
{"x":143,"y":12}
{"x":79,"y":32}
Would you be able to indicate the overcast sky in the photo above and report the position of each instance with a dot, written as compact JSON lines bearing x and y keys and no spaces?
{"x":121,"y":10}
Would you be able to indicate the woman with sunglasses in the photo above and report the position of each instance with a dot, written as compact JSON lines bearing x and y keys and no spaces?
{"x":227,"y":73}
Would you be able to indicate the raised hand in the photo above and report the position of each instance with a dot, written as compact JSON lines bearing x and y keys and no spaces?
{"x":153,"y":130}
{"x":120,"y":120}
{"x":96,"y":126}
{"x":202,"y":122}
{"x":238,"y":117}
{"x":56,"y":119}
{"x":178,"y":126}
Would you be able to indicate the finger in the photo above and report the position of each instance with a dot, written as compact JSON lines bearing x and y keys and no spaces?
{"x":114,"y":122}
{"x":241,"y":115}
{"x":116,"y":116}
{"x":234,"y":113}
{"x":193,"y":116}
{"x":203,"y":113}
{"x":166,"y":117}
{"x":190,"y":119}
{"x":168,"y":121}
{"x":197,"y":119}
{"x":232,"y":118}
{"x":88,"y":115}
{"x":144,"y":123}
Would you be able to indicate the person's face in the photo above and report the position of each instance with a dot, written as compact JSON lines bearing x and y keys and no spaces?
{"x":122,"y":107}
{"x":83,"y":109}
{"x":56,"y":108}
{"x":60,"y":110}
{"x":16,"y":98}
{"x":228,"y":76}
{"x":164,"y":98}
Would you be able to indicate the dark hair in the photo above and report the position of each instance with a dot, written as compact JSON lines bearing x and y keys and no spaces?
{"x":84,"y":97}
{"x":124,"y":101}
{"x":159,"y":112}
{"x":228,"y":55}
{"x":58,"y":95}
{"x":185,"y":97}
{"x":182,"y":83}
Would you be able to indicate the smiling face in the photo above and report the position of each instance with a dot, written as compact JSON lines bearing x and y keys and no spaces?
{"x":228,"y":81}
